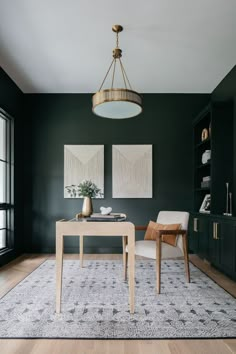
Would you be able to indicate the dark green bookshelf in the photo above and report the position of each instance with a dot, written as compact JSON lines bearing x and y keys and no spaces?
{"x":202,"y":189}
{"x":204,"y":165}
{"x":213,"y":235}
{"x":203,"y":143}
{"x":218,"y":116}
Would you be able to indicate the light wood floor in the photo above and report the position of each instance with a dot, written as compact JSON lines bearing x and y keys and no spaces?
{"x":14,"y":272}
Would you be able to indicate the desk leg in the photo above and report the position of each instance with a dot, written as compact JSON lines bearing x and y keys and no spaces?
{"x":131,"y":260}
{"x":81,"y":250}
{"x":125,"y":256}
{"x":59,"y":266}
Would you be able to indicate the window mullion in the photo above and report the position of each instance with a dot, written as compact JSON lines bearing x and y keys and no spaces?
{"x":6,"y":181}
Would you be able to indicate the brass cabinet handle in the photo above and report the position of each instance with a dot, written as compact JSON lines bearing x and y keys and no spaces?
{"x":195,"y":224}
{"x":215,"y":231}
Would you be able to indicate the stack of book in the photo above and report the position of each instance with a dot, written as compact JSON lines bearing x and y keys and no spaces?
{"x":109,"y":217}
{"x":206,"y":182}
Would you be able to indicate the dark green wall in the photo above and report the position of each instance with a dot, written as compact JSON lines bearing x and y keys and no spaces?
{"x":227,"y":87}
{"x":44,"y":123}
{"x":48,"y":122}
{"x":59,"y":119}
{"x":11,"y":100}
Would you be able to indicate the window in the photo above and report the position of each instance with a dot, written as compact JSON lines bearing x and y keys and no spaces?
{"x":6,"y":181}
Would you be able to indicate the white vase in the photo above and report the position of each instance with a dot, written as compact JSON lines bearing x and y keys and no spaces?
{"x":87,"y":208}
{"x":206,"y":156}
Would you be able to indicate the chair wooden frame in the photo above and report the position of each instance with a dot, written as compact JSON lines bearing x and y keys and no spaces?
{"x":159,"y":234}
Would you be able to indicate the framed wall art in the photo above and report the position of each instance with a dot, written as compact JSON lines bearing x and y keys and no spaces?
{"x":132,"y":171}
{"x":83,"y":162}
{"x":206,"y":204}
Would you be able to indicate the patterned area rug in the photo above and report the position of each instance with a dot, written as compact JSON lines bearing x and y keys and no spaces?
{"x":95,"y":304}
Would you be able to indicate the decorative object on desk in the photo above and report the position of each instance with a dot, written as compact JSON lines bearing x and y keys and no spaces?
{"x":79,"y":216}
{"x":206,"y":156}
{"x":228,"y":210}
{"x":87,"y":208}
{"x":88,"y":190}
{"x":108,"y":217}
{"x":111,"y":217}
{"x":132,"y":171}
{"x":83,"y":162}
{"x":204,"y":134}
{"x":71,"y":191}
{"x":105,"y":211}
{"x":206,"y":204}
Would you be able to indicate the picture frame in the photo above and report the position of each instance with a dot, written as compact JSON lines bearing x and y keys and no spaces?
{"x":132,"y":171}
{"x":206,"y":204}
{"x":83,"y":162}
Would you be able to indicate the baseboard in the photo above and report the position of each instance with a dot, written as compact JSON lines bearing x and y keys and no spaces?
{"x":9,"y":256}
{"x":207,"y":262}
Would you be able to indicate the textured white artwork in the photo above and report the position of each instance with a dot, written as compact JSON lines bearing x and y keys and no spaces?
{"x":132,"y":171}
{"x":83,"y":162}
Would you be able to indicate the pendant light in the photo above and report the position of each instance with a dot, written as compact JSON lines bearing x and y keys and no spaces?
{"x":117,"y":103}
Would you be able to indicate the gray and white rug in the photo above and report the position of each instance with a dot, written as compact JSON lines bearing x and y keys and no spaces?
{"x":95,"y":304}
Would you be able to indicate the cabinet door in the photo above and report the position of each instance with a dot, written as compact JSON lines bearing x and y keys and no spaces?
{"x":203,"y":229}
{"x":222,"y":245}
{"x":198,"y":234}
{"x":213,"y":243}
{"x":227,"y":237}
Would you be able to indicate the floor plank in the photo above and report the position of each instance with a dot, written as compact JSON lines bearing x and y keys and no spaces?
{"x":231,"y":344}
{"x":199,"y":347}
{"x":221,"y":279}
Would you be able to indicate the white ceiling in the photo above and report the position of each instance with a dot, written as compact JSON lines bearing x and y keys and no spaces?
{"x":169,"y":46}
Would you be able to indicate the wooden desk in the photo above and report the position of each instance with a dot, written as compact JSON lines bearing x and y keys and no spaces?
{"x":83,"y":228}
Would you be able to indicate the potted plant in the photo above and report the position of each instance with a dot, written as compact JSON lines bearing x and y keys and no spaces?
{"x":88,"y":190}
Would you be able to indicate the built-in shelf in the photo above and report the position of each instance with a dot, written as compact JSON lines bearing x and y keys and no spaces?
{"x":221,"y":166}
{"x":203,"y":142}
{"x":204,"y":165}
{"x":212,"y":234}
{"x":202,"y":189}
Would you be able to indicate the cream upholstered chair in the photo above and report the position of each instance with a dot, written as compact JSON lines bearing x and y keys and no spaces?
{"x":157,"y":249}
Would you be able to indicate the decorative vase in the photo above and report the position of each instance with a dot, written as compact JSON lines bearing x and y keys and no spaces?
{"x":206,"y":156}
{"x":87,"y":208}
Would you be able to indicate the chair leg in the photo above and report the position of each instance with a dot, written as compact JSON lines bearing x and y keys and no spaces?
{"x":125,"y":256}
{"x":158,"y":263}
{"x":186,"y":260}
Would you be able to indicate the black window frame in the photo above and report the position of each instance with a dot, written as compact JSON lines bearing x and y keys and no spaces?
{"x":8,"y":205}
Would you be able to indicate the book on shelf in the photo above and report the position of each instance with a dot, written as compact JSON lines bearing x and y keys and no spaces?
{"x":205,"y":184}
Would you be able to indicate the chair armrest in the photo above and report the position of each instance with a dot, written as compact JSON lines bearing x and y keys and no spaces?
{"x":159,"y":233}
{"x":141,"y":227}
